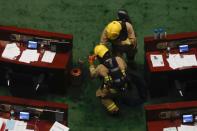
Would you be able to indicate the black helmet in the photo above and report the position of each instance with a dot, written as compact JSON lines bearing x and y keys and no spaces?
{"x":123,"y":15}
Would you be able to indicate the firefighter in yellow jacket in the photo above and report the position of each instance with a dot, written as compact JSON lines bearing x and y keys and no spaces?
{"x":121,"y":35}
{"x":112,"y":71}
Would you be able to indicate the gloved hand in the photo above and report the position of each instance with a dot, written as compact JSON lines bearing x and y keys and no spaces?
{"x":91,"y":59}
{"x":126,"y":42}
{"x":131,"y":42}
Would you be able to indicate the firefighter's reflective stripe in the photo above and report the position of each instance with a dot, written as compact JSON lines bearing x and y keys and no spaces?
{"x":108,"y":78}
{"x":115,"y":69}
{"x":113,"y":91}
{"x":123,"y":72}
{"x":112,"y":107}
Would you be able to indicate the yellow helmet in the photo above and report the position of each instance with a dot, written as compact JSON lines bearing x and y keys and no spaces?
{"x":113,"y":30}
{"x":100,"y":50}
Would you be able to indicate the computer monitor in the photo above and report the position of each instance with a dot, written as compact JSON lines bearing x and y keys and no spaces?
{"x":187,"y":118}
{"x":183,"y":48}
{"x":32,"y":45}
{"x":24,"y":116}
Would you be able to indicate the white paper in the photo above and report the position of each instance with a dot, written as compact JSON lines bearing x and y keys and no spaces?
{"x":157,"y":60}
{"x":20,"y":126}
{"x":170,"y":129}
{"x":11,"y":51}
{"x":48,"y":56}
{"x":187,"y":128}
{"x":2,"y":120}
{"x":181,"y":61}
{"x":29,"y":56}
{"x":59,"y":127}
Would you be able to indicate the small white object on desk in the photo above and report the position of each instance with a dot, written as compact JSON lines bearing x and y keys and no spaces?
{"x":48,"y":56}
{"x":157,"y":60}
{"x":59,"y":127}
{"x":170,"y":129}
{"x":187,"y":128}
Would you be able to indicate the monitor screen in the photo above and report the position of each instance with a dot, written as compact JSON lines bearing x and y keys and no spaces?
{"x":183,"y":48}
{"x":32,"y":44}
{"x":24,"y":116}
{"x":188,"y":118}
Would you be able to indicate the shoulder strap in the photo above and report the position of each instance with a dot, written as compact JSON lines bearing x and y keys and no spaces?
{"x":123,"y":33}
{"x":114,"y":72}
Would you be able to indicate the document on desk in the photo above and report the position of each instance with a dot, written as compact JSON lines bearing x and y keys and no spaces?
{"x":181,"y":61}
{"x":11,"y":51}
{"x":19,"y":126}
{"x":59,"y":127}
{"x":15,"y":125}
{"x":170,"y":129}
{"x":29,"y":55}
{"x":48,"y":56}
{"x":2,"y":122}
{"x":187,"y":128}
{"x":157,"y":60}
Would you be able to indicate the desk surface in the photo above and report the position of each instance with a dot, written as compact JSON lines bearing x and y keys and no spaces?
{"x":60,"y":61}
{"x":152,"y":113}
{"x":151,"y":47}
{"x":43,"y":125}
{"x":166,"y":66}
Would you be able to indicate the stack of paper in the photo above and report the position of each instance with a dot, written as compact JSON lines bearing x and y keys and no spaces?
{"x":11,"y":51}
{"x":59,"y":127}
{"x":19,"y":126}
{"x":157,"y":60}
{"x":187,"y":128}
{"x":29,"y":56}
{"x":180,"y":61}
{"x":14,"y":125}
{"x":48,"y":56}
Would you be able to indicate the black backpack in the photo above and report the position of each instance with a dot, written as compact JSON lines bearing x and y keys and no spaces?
{"x":123,"y":17}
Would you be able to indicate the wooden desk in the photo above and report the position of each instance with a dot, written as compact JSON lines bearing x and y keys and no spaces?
{"x":56,"y":73}
{"x":153,"y":112}
{"x":61,"y":60}
{"x":42,"y":124}
{"x":166,"y":66}
{"x":160,"y":79}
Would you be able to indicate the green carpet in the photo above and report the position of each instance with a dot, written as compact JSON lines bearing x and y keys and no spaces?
{"x":85,"y":20}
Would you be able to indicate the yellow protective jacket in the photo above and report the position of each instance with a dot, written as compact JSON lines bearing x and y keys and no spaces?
{"x":101,"y":70}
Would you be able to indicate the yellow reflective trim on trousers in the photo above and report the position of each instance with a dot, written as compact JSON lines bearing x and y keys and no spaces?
{"x":107,"y":78}
{"x":113,"y":91}
{"x":111,"y":107}
{"x":123,"y":72}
